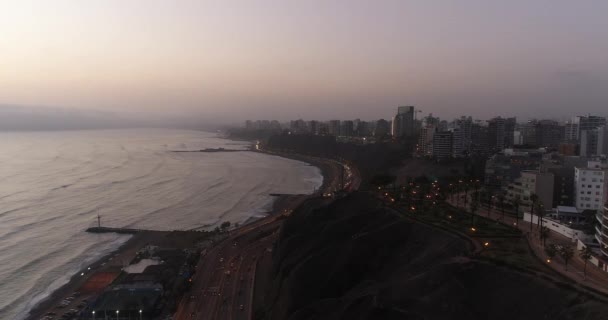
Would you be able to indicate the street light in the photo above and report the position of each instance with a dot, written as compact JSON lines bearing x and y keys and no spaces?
{"x":140,"y":311}
{"x":117,"y":314}
{"x":93,"y":314}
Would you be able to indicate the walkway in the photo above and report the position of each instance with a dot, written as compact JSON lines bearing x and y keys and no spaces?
{"x":596,"y":278}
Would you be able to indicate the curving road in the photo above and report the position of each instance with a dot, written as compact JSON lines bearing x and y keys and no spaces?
{"x":223,"y":284}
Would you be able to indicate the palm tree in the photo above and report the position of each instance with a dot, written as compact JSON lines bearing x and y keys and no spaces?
{"x":544,"y":234}
{"x":540,"y":210}
{"x":516,"y":203}
{"x":474,"y":207}
{"x":566,"y":253}
{"x":501,"y":201}
{"x":585,"y":254}
{"x":490,"y":196}
{"x":466,"y":194}
{"x":534,"y":199}
{"x":551,"y":251}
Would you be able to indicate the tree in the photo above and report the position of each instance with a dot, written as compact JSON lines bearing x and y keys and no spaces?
{"x":474,"y":207}
{"x":566,"y":253}
{"x":585,"y":254}
{"x":544,"y":234}
{"x":382,"y":180}
{"x":516,"y":203}
{"x":225,"y":225}
{"x":534,"y":199}
{"x":466,"y":193}
{"x":501,"y":201}
{"x":540,"y":212}
{"x":551,"y":251}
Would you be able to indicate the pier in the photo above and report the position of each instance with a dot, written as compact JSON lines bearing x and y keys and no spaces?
{"x":113,"y":230}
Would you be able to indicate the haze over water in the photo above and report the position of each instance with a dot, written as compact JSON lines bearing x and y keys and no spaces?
{"x":53,"y":184}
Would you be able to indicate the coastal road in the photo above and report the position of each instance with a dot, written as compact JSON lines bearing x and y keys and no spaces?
{"x":223,"y":284}
{"x":224,"y":281}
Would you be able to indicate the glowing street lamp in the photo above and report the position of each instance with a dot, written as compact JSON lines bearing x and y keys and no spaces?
{"x":93,"y":314}
{"x":117,"y":314}
{"x":140,"y":311}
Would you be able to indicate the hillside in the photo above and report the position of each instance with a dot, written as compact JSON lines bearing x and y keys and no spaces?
{"x":355,"y":260}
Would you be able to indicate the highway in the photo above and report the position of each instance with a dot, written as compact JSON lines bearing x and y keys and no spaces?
{"x":224,"y":281}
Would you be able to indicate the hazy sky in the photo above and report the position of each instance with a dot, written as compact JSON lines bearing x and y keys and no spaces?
{"x":310,"y":59}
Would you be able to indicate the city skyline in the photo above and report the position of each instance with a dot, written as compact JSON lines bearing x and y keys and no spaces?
{"x":316,"y":60}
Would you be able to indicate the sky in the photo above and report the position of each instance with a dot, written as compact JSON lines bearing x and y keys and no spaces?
{"x":253,"y":59}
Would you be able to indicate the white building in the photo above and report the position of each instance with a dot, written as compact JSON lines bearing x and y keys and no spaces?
{"x":591,"y":186}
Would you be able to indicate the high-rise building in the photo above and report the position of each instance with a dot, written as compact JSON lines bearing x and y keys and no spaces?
{"x":570,"y":131}
{"x":479,"y":139}
{"x":500,"y":132}
{"x":313,"y":127}
{"x":424,"y":147}
{"x":591,"y":185}
{"x":334,"y":127}
{"x":382,"y":128}
{"x":588,"y":122}
{"x":594,"y":142}
{"x":298,"y":126}
{"x":404,"y":122}
{"x":363,"y":129}
{"x":347,"y":128}
{"x":548,"y":133}
{"x":442,"y":144}
{"x":459,"y":143}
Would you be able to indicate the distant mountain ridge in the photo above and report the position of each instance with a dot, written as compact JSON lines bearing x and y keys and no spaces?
{"x":33,"y":118}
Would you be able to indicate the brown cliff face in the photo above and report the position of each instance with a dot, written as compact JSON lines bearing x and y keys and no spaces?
{"x":355,"y":260}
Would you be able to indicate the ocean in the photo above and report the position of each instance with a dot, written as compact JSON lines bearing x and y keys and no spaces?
{"x":54,"y":184}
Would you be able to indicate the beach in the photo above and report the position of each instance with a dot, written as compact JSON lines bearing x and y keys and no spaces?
{"x":104,"y":270}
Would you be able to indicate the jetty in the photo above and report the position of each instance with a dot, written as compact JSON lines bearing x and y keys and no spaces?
{"x":213,"y":150}
{"x":114,"y":230}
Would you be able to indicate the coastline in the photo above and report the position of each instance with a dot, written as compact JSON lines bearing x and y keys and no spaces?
{"x":114,"y":260}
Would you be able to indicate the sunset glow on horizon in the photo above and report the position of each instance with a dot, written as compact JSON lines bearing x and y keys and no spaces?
{"x":275,"y":58}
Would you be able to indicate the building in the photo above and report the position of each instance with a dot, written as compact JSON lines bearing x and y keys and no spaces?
{"x":442,"y":144}
{"x":334,"y":127}
{"x":479,"y":140}
{"x":460,"y":145}
{"x":313,"y":127}
{"x":570,"y":132}
{"x":591,"y":185}
{"x":568,"y":149}
{"x":404,"y":122}
{"x":532,"y":182}
{"x":382,"y":128}
{"x":501,"y":133}
{"x":298,"y":126}
{"x":548,"y":133}
{"x":588,"y":123}
{"x":363,"y":129}
{"x":424,"y":148}
{"x":347,"y":128}
{"x":502,"y":169}
{"x":594,"y":142}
